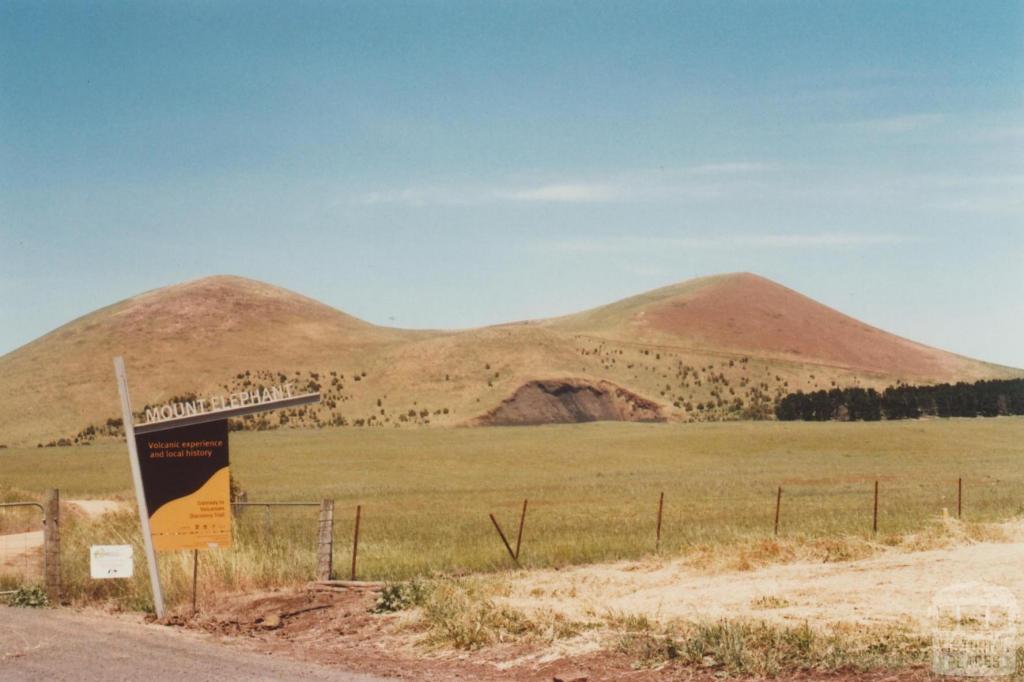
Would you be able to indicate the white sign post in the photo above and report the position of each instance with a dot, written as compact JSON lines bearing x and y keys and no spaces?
{"x":111,"y":561}
{"x":140,"y":495}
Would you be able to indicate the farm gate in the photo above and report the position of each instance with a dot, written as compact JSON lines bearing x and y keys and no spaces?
{"x":30,"y":545}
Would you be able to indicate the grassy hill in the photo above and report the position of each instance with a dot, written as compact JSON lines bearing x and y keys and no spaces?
{"x":714,"y":348}
{"x":747,"y":313}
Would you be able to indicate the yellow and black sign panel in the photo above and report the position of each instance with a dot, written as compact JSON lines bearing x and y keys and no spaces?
{"x":187,"y":482}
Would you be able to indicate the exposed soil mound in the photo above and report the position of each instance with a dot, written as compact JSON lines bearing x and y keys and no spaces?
{"x":571,"y":401}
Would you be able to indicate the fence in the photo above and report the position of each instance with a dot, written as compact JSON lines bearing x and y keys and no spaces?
{"x":302,"y":530}
{"x":491,"y":530}
{"x":30,"y":545}
{"x":875,"y":493}
{"x":406,"y":537}
{"x":809,"y":508}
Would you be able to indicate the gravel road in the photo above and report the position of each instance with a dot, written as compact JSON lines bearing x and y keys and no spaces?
{"x":49,"y":644}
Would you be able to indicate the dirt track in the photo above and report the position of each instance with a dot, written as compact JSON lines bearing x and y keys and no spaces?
{"x":16,"y":549}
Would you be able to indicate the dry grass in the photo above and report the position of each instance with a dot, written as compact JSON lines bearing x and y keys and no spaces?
{"x":754,"y":553}
{"x":760,"y":649}
{"x":464,"y":614}
{"x":468,"y":614}
{"x":283,"y":554}
{"x":19,"y":519}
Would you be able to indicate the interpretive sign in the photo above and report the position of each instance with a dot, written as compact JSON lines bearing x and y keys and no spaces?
{"x":179,"y":460}
{"x":187,"y":481}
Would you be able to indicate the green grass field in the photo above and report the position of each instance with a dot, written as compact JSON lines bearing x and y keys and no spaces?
{"x":593,"y":489}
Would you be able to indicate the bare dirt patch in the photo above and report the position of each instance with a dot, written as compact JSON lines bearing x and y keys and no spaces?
{"x":335,"y":628}
{"x":20,"y":551}
{"x":340,"y":629}
{"x":570,"y":401}
{"x":95,"y":508}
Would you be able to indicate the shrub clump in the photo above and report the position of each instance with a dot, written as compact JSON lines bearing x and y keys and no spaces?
{"x":466,"y":614}
{"x":764,"y":649}
{"x":402,"y":596}
{"x":462,"y":616}
{"x":30,"y":598}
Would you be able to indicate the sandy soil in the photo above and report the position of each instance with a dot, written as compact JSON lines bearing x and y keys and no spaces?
{"x":17,"y":550}
{"x":894,"y":588}
{"x":94,"y":508}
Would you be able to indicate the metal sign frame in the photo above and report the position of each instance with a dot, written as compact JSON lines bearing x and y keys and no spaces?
{"x":217,"y":415}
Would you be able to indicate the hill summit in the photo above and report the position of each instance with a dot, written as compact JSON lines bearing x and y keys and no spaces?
{"x":746,"y":312}
{"x":721,"y":347}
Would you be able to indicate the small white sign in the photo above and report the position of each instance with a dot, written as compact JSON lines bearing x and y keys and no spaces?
{"x":111,"y":561}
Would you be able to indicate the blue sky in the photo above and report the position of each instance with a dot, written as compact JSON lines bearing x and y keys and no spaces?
{"x":445,"y":164}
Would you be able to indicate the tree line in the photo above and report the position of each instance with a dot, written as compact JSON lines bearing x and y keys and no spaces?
{"x":990,"y":398}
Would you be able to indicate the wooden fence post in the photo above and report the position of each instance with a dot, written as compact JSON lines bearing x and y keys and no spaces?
{"x":504,"y":540}
{"x":959,"y":496}
{"x":355,"y":540}
{"x":195,"y":579}
{"x":238,"y":503}
{"x":519,"y":538}
{"x":778,"y":505}
{"x":874,"y":522}
{"x":325,"y":546}
{"x":51,"y":546}
{"x":657,"y":541}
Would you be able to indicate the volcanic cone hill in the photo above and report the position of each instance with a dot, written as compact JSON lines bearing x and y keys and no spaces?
{"x":748,"y":313}
{"x":722,"y":347}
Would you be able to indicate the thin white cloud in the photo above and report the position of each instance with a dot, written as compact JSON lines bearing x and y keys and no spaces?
{"x":633,"y":244}
{"x":566,"y":192}
{"x":895,"y":125}
{"x":689,"y":183}
{"x":747,"y":184}
{"x":1004,"y":204}
{"x":987,"y":181}
{"x":824,"y":239}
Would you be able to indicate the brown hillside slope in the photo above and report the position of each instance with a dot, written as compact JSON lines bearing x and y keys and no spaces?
{"x":747,"y":313}
{"x":713,"y":348}
{"x":187,"y":337}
